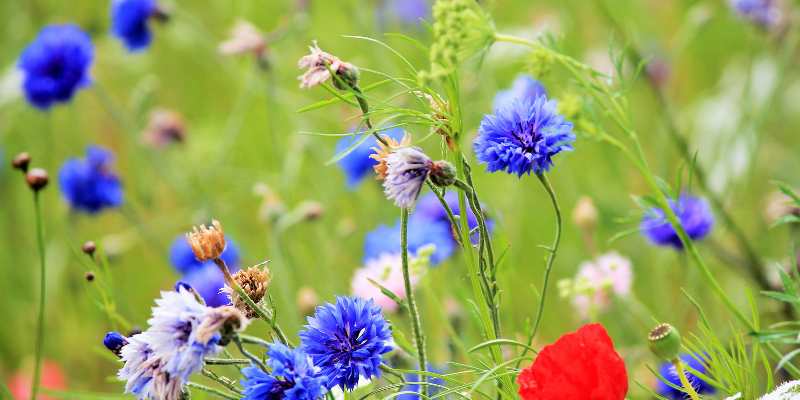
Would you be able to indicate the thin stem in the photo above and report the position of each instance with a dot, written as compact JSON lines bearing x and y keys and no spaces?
{"x":37,"y":369}
{"x":416,"y":325}
{"x":226,"y":361}
{"x":222,"y":380}
{"x":362,"y":103}
{"x":257,"y":361}
{"x":550,"y":259}
{"x":214,"y":391}
{"x":250,"y":303}
{"x":687,"y":386}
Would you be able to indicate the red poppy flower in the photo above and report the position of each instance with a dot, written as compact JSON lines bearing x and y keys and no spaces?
{"x":582,"y":365}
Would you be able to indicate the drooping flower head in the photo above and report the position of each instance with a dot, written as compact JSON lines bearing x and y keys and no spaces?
{"x":524,"y":87}
{"x":668,"y":372}
{"x":347,"y":340}
{"x":292,"y":377}
{"x":693,"y":213}
{"x":579,"y":365}
{"x":523,"y":137}
{"x":319,"y":65}
{"x":55,"y":65}
{"x":90,"y":184}
{"x":358,"y":163}
{"x":406,"y":171}
{"x":600,"y":279}
{"x":385,"y":240}
{"x":184,"y":261}
{"x":386,"y":270}
{"x":129,"y":22}
{"x":764,"y":13}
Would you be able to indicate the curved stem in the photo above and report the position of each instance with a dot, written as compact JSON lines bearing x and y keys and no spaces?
{"x":37,"y":369}
{"x":687,"y":386}
{"x":416,"y":325}
{"x":214,"y":391}
{"x":255,"y":360}
{"x":550,"y":259}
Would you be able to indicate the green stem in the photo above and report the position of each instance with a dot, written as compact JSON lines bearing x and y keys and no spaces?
{"x":553,"y":251}
{"x":687,"y":386}
{"x":362,"y":103}
{"x":416,"y":325}
{"x":255,"y":360}
{"x":214,"y":391}
{"x":37,"y":368}
{"x":226,"y":361}
{"x":222,"y":380}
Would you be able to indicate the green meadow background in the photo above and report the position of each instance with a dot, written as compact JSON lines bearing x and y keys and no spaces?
{"x":730,"y":92}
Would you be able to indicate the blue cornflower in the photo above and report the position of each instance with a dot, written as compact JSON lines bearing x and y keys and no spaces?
{"x":89,"y":184}
{"x":292,"y":377}
{"x":522,"y":137}
{"x":386,"y":239}
{"x":184,"y":261}
{"x":129,"y":22}
{"x":434,"y":385}
{"x":143,"y":372}
{"x":408,"y":11}
{"x":407,"y":168}
{"x":357,"y":164}
{"x":55,"y":65}
{"x":765,"y":13}
{"x":524,"y":87}
{"x":347,"y":340}
{"x":668,"y":372}
{"x":693,"y":213}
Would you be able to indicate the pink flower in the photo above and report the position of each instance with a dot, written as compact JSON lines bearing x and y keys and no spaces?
{"x":599,"y":279}
{"x":319,"y":66}
{"x":386,"y":270}
{"x":245,"y":38}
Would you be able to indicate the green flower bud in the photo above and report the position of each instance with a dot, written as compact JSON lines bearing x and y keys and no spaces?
{"x":443,"y":173}
{"x":665,"y":342}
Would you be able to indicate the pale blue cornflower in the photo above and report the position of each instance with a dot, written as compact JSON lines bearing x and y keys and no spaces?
{"x":406,"y":171}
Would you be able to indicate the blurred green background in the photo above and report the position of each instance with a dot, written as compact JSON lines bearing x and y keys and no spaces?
{"x":728,"y":91}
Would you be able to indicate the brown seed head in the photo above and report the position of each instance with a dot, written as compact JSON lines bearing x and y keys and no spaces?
{"x":254,"y":281}
{"x":88,"y":248}
{"x":21,"y":161}
{"x":207,"y":242}
{"x":383,"y":151}
{"x":37,"y":179}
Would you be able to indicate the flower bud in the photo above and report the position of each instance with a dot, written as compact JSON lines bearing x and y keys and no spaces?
{"x":346,"y":77}
{"x":37,"y":179}
{"x":665,"y":342}
{"x":584,"y":215}
{"x":21,"y":161}
{"x":89,"y":248}
{"x":114,"y":341}
{"x":89,"y":276}
{"x":443,"y":173}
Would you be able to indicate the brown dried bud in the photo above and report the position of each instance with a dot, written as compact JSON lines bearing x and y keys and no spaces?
{"x":253,"y":281}
{"x":307,"y":300}
{"x":89,"y":276}
{"x":164,"y":128}
{"x":584,"y":215}
{"x":207,"y":242}
{"x":311,"y":210}
{"x":37,"y":179}
{"x":88,"y":248}
{"x":21,"y":161}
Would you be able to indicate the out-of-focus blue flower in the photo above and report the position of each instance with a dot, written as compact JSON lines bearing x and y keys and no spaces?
{"x":408,"y":11}
{"x":765,"y":13}
{"x":292,"y":377}
{"x":430,"y":209}
{"x":183,"y":260}
{"x":347,"y":340}
{"x":129,"y":22}
{"x":55,"y":65}
{"x":357,"y":164}
{"x":693,"y":213}
{"x":524,"y":87}
{"x":668,"y":372}
{"x":386,"y":239}
{"x":434,"y":386}
{"x":406,"y":171}
{"x":523,"y":137}
{"x":90,"y":184}
{"x":207,"y":281}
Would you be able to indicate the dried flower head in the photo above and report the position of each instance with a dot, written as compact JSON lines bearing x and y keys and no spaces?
{"x":254,"y":281}
{"x":164,"y":127}
{"x":207,"y":242}
{"x":382,"y":152}
{"x":319,"y":65}
{"x":37,"y":179}
{"x":245,"y":38}
{"x":223,"y":320}
{"x":21,"y":161}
